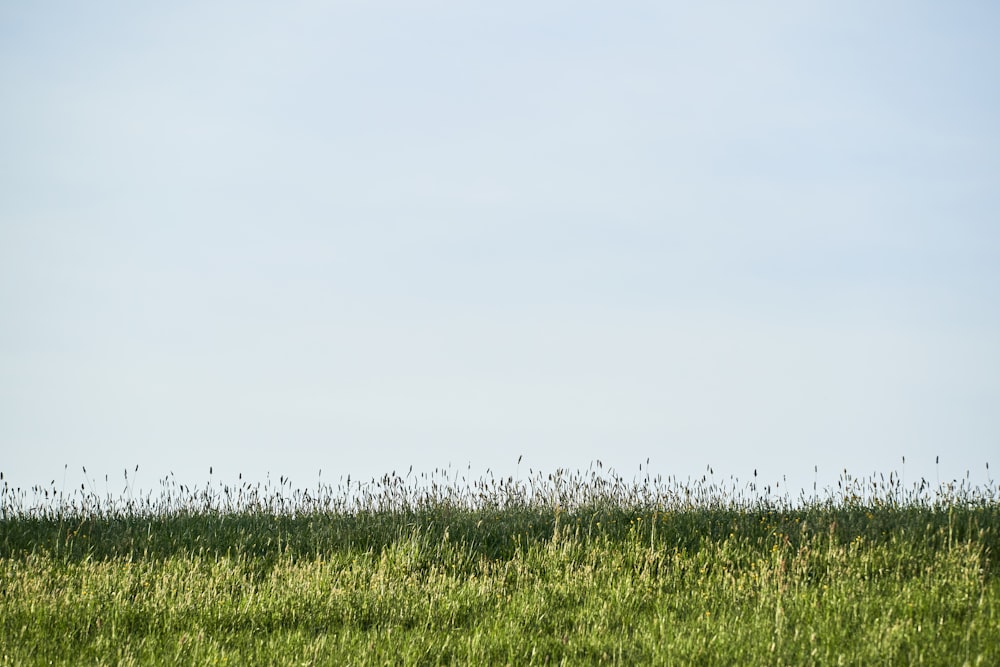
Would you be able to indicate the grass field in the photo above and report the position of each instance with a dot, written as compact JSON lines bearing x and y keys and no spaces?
{"x":572,"y":568}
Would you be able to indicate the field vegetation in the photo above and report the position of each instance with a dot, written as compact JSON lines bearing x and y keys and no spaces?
{"x":567,"y":568}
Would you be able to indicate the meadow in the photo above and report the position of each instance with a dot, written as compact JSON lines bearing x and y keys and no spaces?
{"x":563,"y":568}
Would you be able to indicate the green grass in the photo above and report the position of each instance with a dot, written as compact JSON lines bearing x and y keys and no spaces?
{"x":570,"y":569}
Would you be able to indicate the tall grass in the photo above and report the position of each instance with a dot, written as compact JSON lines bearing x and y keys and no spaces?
{"x":573,"y":567}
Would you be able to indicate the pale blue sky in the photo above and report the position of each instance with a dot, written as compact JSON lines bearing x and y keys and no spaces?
{"x":359,"y":236}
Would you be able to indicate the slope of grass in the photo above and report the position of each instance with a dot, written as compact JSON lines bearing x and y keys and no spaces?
{"x":606,"y":573}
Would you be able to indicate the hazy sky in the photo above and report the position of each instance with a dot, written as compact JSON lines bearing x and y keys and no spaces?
{"x":359,"y":236}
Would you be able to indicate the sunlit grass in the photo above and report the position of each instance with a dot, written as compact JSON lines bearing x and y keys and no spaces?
{"x":437,"y":568}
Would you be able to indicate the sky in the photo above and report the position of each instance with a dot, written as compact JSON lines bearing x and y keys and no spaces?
{"x":279,"y":238}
